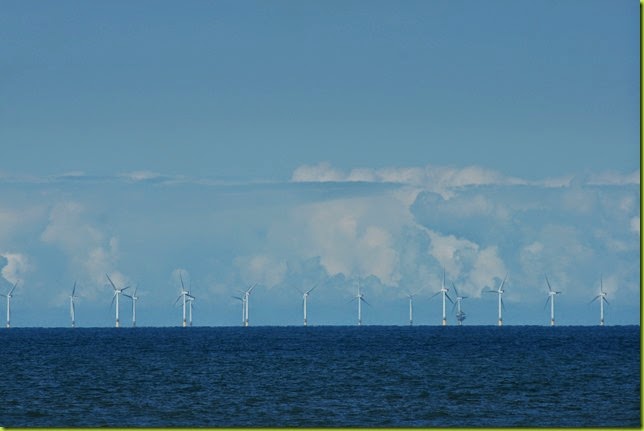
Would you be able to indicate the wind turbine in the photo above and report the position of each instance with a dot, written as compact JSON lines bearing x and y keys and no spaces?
{"x":133,"y":297}
{"x":305,"y":296}
{"x":551,"y":299}
{"x":411,"y":307}
{"x":499,"y":292}
{"x":117,"y":293}
{"x":246,"y":294}
{"x":190,"y":299}
{"x":243,"y":302}
{"x":460,"y":314}
{"x":360,"y":298}
{"x":602,"y":299}
{"x":8,"y":296}
{"x":72,"y":309}
{"x":444,"y":291}
{"x":184,"y":294}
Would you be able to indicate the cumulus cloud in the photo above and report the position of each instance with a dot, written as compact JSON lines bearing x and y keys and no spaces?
{"x":92,"y":254}
{"x":15,"y":268}
{"x":261,"y":269}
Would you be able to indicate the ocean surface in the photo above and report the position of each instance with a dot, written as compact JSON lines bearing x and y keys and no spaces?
{"x":325,"y":376}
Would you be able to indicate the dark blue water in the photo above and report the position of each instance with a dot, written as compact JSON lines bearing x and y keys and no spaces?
{"x":321,"y":377}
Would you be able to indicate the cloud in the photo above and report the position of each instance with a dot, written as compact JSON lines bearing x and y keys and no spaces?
{"x":15,"y":268}
{"x":612,"y":178}
{"x":261,"y":269}
{"x":92,"y":254}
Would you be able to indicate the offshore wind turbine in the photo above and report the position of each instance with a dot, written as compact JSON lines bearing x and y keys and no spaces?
{"x":117,"y":293}
{"x":411,"y":307}
{"x":602,"y":299}
{"x":134,"y":298}
{"x":305,"y":296}
{"x":500,"y":292}
{"x":460,"y":314}
{"x":8,"y":296}
{"x":190,"y":299}
{"x":360,"y":298}
{"x":444,"y":291}
{"x":72,"y":308}
{"x":184,"y":294}
{"x":551,"y":299}
{"x":243,"y":302}
{"x":246,"y":297}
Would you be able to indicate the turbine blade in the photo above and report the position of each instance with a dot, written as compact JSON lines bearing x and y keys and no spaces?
{"x":14,"y":286}
{"x":450,"y":299}
{"x":453,"y":307}
{"x":110,"y":280}
{"x":455,"y":291}
{"x":178,"y":298}
{"x":594,"y":299}
{"x":112,"y":303}
{"x":74,"y":289}
{"x":237,"y":297}
{"x":437,"y":293}
{"x":365,"y":301}
{"x":181,"y":278}
{"x":503,"y":282}
{"x":298,"y":289}
{"x":502,"y":304}
{"x":313,"y":288}
{"x":548,"y":282}
{"x":125,"y":288}
{"x":251,"y":289}
{"x":547,"y":301}
{"x":604,"y":298}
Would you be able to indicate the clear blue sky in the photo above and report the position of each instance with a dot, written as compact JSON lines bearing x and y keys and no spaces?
{"x":201,"y":135}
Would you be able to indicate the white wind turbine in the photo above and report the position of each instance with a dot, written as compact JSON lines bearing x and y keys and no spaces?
{"x":411,"y":307}
{"x":191,"y":298}
{"x":360,"y":298}
{"x":499,"y":292}
{"x":134,"y":298}
{"x":8,"y":296}
{"x":117,"y":293}
{"x":72,"y":308}
{"x":243,"y":303}
{"x":305,"y":296}
{"x":244,"y":300}
{"x":444,"y":291}
{"x":551,"y":299}
{"x":185,"y":295}
{"x":602,"y":299}
{"x":460,"y":314}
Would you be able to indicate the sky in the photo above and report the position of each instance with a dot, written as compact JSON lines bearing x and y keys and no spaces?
{"x":340,"y":144}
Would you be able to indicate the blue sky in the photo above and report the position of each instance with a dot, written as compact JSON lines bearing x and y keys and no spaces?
{"x":289,"y":143}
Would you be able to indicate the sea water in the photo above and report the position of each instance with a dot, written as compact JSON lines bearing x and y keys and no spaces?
{"x":321,"y":377}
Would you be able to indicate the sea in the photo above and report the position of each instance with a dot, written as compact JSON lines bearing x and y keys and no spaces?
{"x":326,"y":376}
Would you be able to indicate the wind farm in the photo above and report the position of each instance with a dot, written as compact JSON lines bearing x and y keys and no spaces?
{"x":186,"y":301}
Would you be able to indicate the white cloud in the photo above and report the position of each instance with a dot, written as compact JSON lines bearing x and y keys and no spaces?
{"x":16,"y":267}
{"x":611,"y":178}
{"x":322,"y":172}
{"x":261,"y":269}
{"x":92,"y":254}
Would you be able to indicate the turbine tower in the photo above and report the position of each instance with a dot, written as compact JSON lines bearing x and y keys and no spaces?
{"x":411,"y":307}
{"x":602,"y":299}
{"x":133,"y":297}
{"x":444,"y":291}
{"x":460,"y":314}
{"x":245,"y":302}
{"x":8,"y":296}
{"x":551,"y":299}
{"x":183,"y":295}
{"x":190,"y":300}
{"x":360,"y":298}
{"x":72,"y":308}
{"x":117,"y":293}
{"x":499,"y":292}
{"x":305,"y":296}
